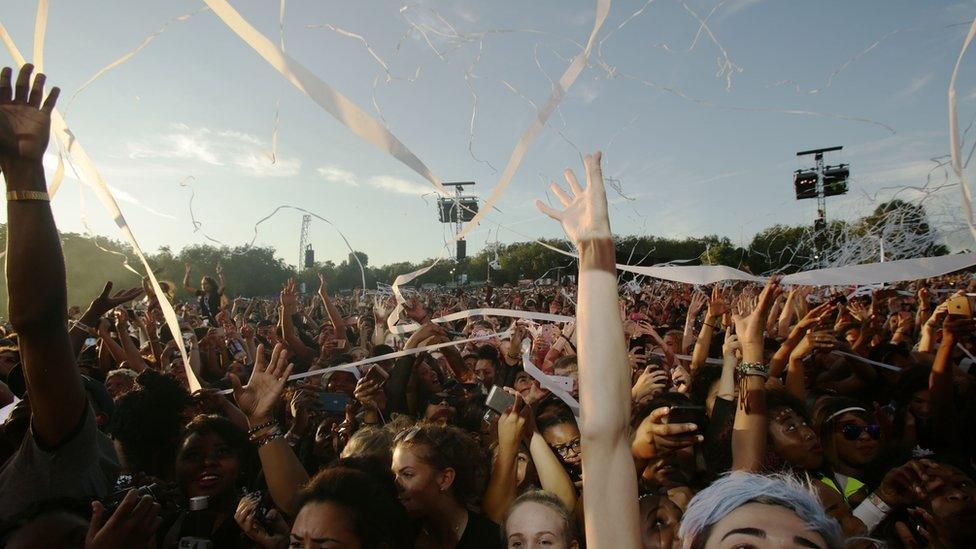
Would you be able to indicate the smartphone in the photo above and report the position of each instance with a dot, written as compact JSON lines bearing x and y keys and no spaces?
{"x":90,"y":341}
{"x":959,"y":306}
{"x":331,"y":402}
{"x":377,"y":375}
{"x":687,"y":414}
{"x":499,"y":399}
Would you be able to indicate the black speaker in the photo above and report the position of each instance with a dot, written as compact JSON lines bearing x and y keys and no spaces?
{"x":309,"y":257}
{"x":462,"y":251}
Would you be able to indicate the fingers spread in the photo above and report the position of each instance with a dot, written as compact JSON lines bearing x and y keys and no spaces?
{"x":573,"y":182}
{"x":542,"y":207}
{"x":37,"y":92}
{"x":560,"y":194}
{"x":6,"y":91}
{"x":23,"y":83}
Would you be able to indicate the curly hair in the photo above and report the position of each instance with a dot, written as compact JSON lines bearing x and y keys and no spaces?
{"x":448,"y":447}
{"x":377,"y":518}
{"x":147,"y":423}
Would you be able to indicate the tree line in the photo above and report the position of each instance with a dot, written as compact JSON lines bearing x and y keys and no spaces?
{"x":256,"y":271}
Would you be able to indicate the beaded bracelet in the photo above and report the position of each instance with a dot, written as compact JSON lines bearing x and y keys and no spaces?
{"x":753,"y":369}
{"x":269,"y":438}
{"x":261,"y":440}
{"x":265,"y":425}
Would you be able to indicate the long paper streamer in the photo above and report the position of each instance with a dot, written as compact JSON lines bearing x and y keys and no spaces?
{"x":40,"y":30}
{"x":327,"y":97}
{"x":91,"y":176}
{"x":389,"y":356}
{"x":510,"y":313}
{"x":128,"y":55}
{"x":967,"y":198}
{"x":518,"y":153}
{"x":546,"y":381}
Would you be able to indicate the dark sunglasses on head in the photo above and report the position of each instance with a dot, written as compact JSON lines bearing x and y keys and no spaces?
{"x":853,"y":432}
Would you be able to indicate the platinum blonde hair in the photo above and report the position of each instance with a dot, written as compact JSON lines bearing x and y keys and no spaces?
{"x":736,"y":489}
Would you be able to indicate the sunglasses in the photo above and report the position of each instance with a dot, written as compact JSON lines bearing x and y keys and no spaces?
{"x":853,"y":432}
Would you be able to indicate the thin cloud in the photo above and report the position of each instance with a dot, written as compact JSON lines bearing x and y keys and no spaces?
{"x":915,"y":86}
{"x":127,"y":198}
{"x":242,"y":152}
{"x":335,"y":174}
{"x":397,"y":185}
{"x":736,"y":7}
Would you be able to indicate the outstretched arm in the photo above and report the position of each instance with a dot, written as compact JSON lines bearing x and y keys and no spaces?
{"x":38,"y":301}
{"x":608,"y":468}
{"x":750,"y":426}
{"x":283,"y":471}
{"x":334,"y":316}
{"x":186,"y":279}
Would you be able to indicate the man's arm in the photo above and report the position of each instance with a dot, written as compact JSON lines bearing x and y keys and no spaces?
{"x":749,"y":430}
{"x":334,"y":315}
{"x":608,"y":468}
{"x":186,"y":280}
{"x":38,"y":297}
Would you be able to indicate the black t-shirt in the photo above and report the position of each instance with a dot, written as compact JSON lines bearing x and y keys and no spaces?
{"x":209,"y":305}
{"x":480,"y":533}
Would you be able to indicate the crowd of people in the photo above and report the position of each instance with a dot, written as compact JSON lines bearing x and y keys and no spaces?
{"x":656,"y":415}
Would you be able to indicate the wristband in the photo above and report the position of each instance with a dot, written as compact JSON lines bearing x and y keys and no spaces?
{"x":710,"y":326}
{"x":753,"y":369}
{"x":872,"y":511}
{"x":597,"y":254}
{"x":270,"y":438}
{"x":41,"y":196}
{"x":79,"y":324}
{"x":265,"y":425}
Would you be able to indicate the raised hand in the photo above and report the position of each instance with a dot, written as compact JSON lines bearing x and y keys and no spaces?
{"x":25,"y":124}
{"x":717,"y":304}
{"x":131,"y":525}
{"x":696,"y":303}
{"x":289,"y":297}
{"x":815,"y":316}
{"x":323,"y":285}
{"x":511,"y":423}
{"x":749,"y":325}
{"x":814,"y":342}
{"x":651,"y":383}
{"x":258,"y":398}
{"x":655,"y":436}
{"x":585,"y":215}
{"x":731,"y":345}
{"x":269,"y":533}
{"x":105,"y":302}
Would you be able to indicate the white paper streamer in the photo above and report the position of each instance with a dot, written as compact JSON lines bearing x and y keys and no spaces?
{"x":957,"y":167}
{"x":127,"y":56}
{"x":40,"y":30}
{"x":546,"y":381}
{"x":91,"y":176}
{"x":867,"y":361}
{"x":353,"y":367}
{"x":327,"y":97}
{"x":518,"y":153}
{"x":510,"y":313}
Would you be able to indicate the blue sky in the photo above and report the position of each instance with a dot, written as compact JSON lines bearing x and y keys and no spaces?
{"x":696,"y":131}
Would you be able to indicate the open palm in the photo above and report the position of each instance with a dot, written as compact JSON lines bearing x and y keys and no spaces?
{"x":585,"y":215}
{"x":258,"y":398}
{"x":25,"y":124}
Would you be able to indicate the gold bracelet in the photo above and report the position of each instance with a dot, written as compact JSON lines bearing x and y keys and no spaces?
{"x":28,"y":195}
